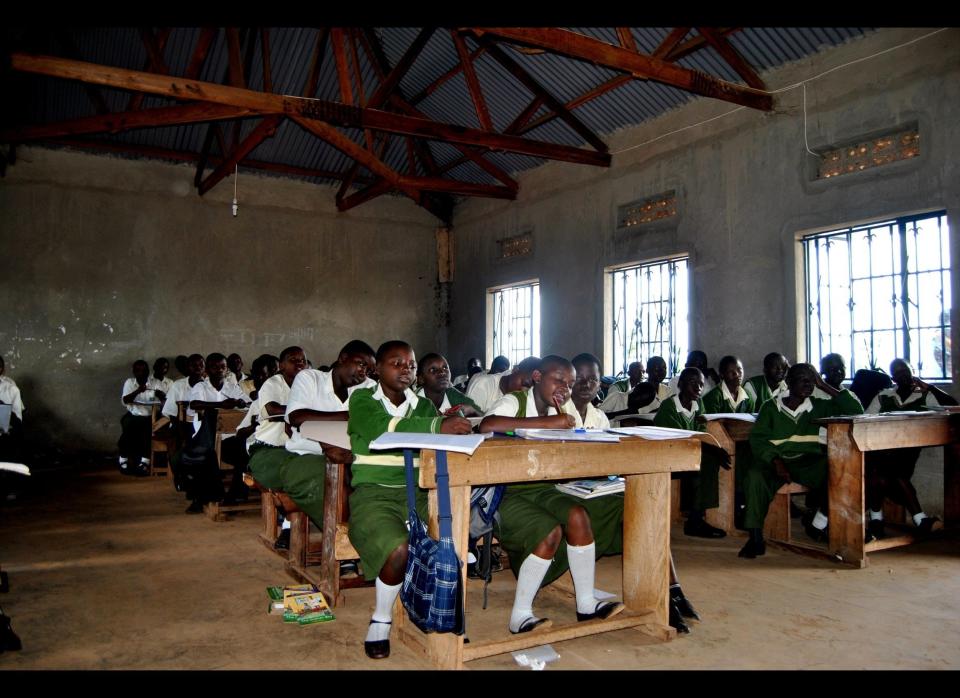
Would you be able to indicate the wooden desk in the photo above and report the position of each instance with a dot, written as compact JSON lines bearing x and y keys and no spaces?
{"x":646,"y":465}
{"x":728,"y":433}
{"x":848,"y":438}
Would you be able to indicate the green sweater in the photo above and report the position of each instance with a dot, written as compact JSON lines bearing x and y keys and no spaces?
{"x":368,"y":420}
{"x":779,"y":435}
{"x":758,"y":389}
{"x":669,"y":416}
{"x":714,"y":402}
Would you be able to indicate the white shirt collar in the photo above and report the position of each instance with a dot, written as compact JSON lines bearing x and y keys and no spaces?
{"x":741,"y":394}
{"x":444,"y":404}
{"x":694,"y":407}
{"x":913,"y":397}
{"x":805,"y":406}
{"x":409,"y":403}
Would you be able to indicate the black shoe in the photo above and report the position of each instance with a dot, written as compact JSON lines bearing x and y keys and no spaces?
{"x":196,"y":507}
{"x":283,"y":540}
{"x":4,"y":583}
{"x":685,"y":607}
{"x":126,"y":469}
{"x":818,"y":535}
{"x":874,"y":530}
{"x":676,"y":620}
{"x":530,"y":624}
{"x":929,"y":524}
{"x":141,"y":470}
{"x":604,"y":609}
{"x":753,"y":549}
{"x":701,"y":529}
{"x":8,"y":639}
{"x":377,"y":649}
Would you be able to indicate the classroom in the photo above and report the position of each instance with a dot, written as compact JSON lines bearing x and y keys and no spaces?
{"x":379,"y":201}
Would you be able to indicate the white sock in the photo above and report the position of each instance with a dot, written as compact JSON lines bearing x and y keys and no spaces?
{"x":285,"y":525}
{"x":532,"y":572}
{"x":917,"y":518}
{"x":582,"y":568}
{"x":123,"y":461}
{"x":876,"y":515}
{"x":386,"y":595}
{"x":819,"y":521}
{"x":144,"y":461}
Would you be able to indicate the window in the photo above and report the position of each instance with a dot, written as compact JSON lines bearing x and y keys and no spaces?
{"x":649,"y":318}
{"x":881,"y":291}
{"x":513,"y":316}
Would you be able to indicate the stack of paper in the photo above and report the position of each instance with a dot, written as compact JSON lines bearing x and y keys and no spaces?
{"x":567,"y":435}
{"x":655,"y":433}
{"x":742,"y":416}
{"x":588,"y":489}
{"x":466,"y":443}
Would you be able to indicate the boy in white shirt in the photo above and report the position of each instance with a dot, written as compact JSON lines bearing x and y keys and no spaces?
{"x":138,"y":396}
{"x":160,"y":369}
{"x":11,"y":442}
{"x":486,"y":389}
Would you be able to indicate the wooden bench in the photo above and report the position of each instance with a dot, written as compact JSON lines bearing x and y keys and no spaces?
{"x":227,"y":423}
{"x":161,"y":441}
{"x":776,"y":527}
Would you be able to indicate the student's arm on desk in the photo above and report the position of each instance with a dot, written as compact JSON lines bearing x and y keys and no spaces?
{"x":298,"y":417}
{"x":495,"y":423}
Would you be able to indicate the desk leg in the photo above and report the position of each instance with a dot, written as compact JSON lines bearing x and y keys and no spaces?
{"x":722,"y":516}
{"x":445,"y":650}
{"x":845,"y":482}
{"x":646,"y":544}
{"x":951,"y":484}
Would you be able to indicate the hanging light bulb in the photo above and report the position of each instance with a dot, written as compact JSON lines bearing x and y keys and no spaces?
{"x":236,"y":171}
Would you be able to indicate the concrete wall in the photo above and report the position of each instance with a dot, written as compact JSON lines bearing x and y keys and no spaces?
{"x":745,"y":192}
{"x":745,"y":189}
{"x":107,"y":260}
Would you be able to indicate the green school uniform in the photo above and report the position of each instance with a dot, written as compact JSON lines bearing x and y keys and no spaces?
{"x":760,"y":392}
{"x":706,"y":483}
{"x":266,"y":463}
{"x":454,"y":397}
{"x":717,"y":401}
{"x":530,"y":511}
{"x":378,"y":504}
{"x":795,"y":439}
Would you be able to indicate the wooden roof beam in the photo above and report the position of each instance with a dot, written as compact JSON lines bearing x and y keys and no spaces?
{"x":473,"y":84}
{"x":433,"y":86}
{"x":265,"y":129}
{"x":732,"y":57}
{"x":154,"y":46}
{"x":582,"y":47}
{"x":670,"y":42}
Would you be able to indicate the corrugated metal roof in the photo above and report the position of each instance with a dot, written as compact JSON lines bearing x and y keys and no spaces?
{"x":291,"y":52}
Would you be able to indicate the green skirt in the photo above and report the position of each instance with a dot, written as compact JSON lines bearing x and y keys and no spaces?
{"x":303,"y":478}
{"x":266,"y":464}
{"x":378,"y":526}
{"x":528,"y":513}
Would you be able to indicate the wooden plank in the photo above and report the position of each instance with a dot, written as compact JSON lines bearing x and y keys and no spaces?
{"x":877,"y":434}
{"x":310,"y":86}
{"x":732,"y":57}
{"x":265,"y":129}
{"x":371,"y":192}
{"x":670,"y":42}
{"x":200,"y":51}
{"x":235,"y":70}
{"x":621,"y":621}
{"x":436,"y":84}
{"x":265,"y":55}
{"x":300,"y":109}
{"x":394,"y":76}
{"x":155,"y":63}
{"x":473,"y":84}
{"x":625,"y":37}
{"x":695,"y":44}
{"x":598,"y":91}
{"x":888,"y":542}
{"x":582,"y":47}
{"x":646,"y":545}
{"x":340,"y":59}
{"x":846,"y":494}
{"x":497,"y":459}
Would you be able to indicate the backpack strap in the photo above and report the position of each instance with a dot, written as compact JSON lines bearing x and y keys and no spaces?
{"x":443,"y":491}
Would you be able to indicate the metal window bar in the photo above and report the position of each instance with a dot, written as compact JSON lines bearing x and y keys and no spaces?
{"x":516,"y":322}
{"x":912,"y":284}
{"x":645,"y":313}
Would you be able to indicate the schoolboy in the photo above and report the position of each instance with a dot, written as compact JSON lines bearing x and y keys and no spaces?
{"x":680,"y":412}
{"x":486,"y":389}
{"x":787,"y":446}
{"x":499,"y":366}
{"x":214,"y":392}
{"x":888,"y":473}
{"x":433,"y":377}
{"x":11,"y":443}
{"x":729,"y":396}
{"x":378,"y":504}
{"x":137,"y":395}
{"x":235,"y":372}
{"x":320,"y":396}
{"x":180,"y":390}
{"x":160,"y":369}
{"x":770,"y":384}
{"x":474,"y":366}
{"x":536,"y":518}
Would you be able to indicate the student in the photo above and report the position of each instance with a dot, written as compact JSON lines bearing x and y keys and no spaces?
{"x":474,"y":366}
{"x":499,"y":366}
{"x":433,"y":377}
{"x":137,"y":396}
{"x":179,"y":395}
{"x":321,"y":396}
{"x":486,"y":389}
{"x":536,"y":518}
{"x":679,"y":412}
{"x":888,"y":473}
{"x":787,"y":447}
{"x":11,"y":443}
{"x":584,"y":390}
{"x":160,"y":368}
{"x":697,"y":359}
{"x":266,"y":445}
{"x":378,"y":504}
{"x":181,"y":363}
{"x":234,"y":361}
{"x":770,"y":384}
{"x":267,"y":365}
{"x":211,"y":394}
{"x":616,"y":397}
{"x":233,"y":449}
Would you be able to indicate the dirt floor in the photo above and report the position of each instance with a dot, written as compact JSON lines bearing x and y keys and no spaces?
{"x":107,"y":572}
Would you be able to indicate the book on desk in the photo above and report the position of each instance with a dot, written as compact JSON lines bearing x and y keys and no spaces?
{"x":588,"y":489}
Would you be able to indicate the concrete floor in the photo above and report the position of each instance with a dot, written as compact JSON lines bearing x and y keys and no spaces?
{"x":107,"y":572}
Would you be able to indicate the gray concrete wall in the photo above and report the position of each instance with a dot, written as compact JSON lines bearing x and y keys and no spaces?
{"x":106,"y":260}
{"x":745,"y":192}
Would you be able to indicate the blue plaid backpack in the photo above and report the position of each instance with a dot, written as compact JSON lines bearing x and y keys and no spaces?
{"x":432,"y":591}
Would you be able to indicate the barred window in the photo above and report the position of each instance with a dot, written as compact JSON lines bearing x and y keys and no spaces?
{"x":881,"y":291}
{"x":650,"y":306}
{"x":514,"y":322}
